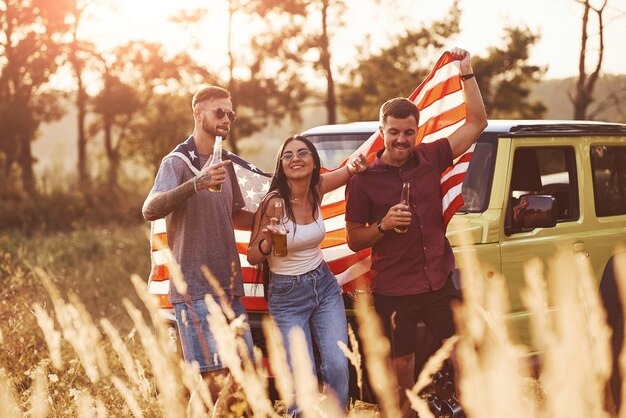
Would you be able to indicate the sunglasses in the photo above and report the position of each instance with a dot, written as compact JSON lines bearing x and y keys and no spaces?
{"x":220,"y":113}
{"x":288,"y":156}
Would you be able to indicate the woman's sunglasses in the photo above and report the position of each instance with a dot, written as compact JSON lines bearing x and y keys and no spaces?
{"x":288,"y":156}
{"x":220,"y":113}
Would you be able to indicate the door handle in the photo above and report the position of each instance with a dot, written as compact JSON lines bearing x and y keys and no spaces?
{"x":579,"y":248}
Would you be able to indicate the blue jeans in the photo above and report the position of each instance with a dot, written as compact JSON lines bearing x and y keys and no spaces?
{"x":312,"y":301}
{"x":196,"y":338}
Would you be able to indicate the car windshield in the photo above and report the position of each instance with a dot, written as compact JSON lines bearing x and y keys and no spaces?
{"x":334,"y":148}
{"x":479,"y":176}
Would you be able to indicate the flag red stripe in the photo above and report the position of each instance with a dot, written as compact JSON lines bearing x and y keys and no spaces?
{"x":446,"y":58}
{"x":452,"y":181}
{"x":451,"y":85}
{"x":334,"y":209}
{"x":456,"y":203}
{"x":437,"y":123}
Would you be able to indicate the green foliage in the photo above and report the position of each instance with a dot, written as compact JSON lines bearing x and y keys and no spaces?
{"x":266,"y":83}
{"x":505,"y":78}
{"x":29,"y":48}
{"x":66,"y":211}
{"x":396,"y":70}
{"x":160,"y":127}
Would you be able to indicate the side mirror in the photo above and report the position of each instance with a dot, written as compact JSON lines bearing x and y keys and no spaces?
{"x":534,"y":211}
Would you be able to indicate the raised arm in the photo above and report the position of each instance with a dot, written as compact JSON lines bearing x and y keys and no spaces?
{"x":335,"y":179}
{"x":476,"y":120}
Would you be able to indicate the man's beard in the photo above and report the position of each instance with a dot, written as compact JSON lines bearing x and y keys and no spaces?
{"x":213,"y":131}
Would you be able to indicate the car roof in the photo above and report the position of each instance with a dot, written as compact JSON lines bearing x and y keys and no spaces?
{"x":529,"y":127}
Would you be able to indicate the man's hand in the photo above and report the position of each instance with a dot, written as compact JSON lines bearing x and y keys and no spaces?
{"x":398,"y":215}
{"x":464,"y":56}
{"x":212,"y":175}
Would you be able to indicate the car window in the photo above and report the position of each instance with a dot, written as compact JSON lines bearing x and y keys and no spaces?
{"x":478,"y":179}
{"x":608,"y":164}
{"x":335,"y":148}
{"x":547,"y":170}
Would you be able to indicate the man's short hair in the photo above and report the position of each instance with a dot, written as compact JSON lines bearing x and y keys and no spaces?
{"x":398,"y":108}
{"x":208,"y":93}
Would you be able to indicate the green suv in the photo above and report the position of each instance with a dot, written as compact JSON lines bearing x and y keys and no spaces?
{"x":531,"y":186}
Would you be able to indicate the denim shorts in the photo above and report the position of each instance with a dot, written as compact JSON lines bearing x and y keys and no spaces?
{"x":196,"y":338}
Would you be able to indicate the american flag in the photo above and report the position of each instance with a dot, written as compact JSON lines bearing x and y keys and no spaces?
{"x":442,"y":110}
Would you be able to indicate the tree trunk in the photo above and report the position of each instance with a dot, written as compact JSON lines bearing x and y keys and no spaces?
{"x":83,"y":176}
{"x":112,"y":154}
{"x":232,"y":137}
{"x":325,"y":58}
{"x":585,"y":85}
{"x":26,"y":164}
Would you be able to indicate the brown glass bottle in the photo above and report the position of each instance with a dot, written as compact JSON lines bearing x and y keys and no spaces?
{"x":404,"y":198}
{"x":279,"y":239}
{"x":215,"y":159}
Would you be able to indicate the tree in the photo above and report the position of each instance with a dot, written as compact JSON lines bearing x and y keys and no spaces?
{"x":582,"y":96}
{"x":269,"y":85}
{"x":79,"y":54}
{"x":29,"y":32}
{"x":162,"y":125}
{"x":505,"y":77}
{"x":396,"y":70}
{"x":135,"y":76}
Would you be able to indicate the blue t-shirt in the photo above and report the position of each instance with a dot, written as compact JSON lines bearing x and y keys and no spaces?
{"x":200,"y":232}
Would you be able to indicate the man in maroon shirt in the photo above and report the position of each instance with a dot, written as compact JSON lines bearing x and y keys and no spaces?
{"x":411,"y":272}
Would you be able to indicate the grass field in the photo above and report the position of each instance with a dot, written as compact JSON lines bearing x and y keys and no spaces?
{"x":77,"y":339}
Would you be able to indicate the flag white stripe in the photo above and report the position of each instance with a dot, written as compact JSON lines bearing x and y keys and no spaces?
{"x":161,"y":257}
{"x":452,"y":193}
{"x":253,"y":290}
{"x":447,"y":71}
{"x":337,"y":195}
{"x":442,"y":133}
{"x":159,"y":226}
{"x":458,"y":169}
{"x":159,"y":288}
{"x":440,"y":106}
{"x":354,"y":271}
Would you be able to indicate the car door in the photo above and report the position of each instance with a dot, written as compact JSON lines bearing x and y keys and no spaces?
{"x":605,"y":199}
{"x":539,"y":166}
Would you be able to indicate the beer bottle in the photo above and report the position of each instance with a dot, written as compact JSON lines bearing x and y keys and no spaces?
{"x":404,"y":198}
{"x":215,"y":159}
{"x":279,"y":239}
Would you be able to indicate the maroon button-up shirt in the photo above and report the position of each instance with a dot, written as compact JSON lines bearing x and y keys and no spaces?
{"x":421,"y":259}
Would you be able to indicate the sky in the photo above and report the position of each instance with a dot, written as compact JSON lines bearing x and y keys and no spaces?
{"x":115,"y":22}
{"x":557,"y":21}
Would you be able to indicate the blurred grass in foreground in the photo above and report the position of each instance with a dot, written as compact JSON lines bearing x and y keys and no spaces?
{"x":78,"y":339}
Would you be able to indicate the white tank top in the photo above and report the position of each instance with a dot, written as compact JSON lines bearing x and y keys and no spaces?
{"x":303,"y":247}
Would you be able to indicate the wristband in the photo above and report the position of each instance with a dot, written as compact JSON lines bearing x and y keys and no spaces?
{"x":465,"y":77}
{"x":380,"y":227}
{"x":261,"y":250}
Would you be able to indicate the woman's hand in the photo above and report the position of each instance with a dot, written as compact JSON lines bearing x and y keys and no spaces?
{"x":357,"y":164}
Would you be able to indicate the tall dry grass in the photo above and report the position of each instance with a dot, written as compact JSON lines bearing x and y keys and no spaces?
{"x":58,"y":357}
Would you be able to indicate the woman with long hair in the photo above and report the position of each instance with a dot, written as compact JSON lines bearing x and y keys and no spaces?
{"x":302,"y":291}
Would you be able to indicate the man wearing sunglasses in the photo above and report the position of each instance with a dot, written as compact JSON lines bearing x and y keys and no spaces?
{"x":200,"y":227}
